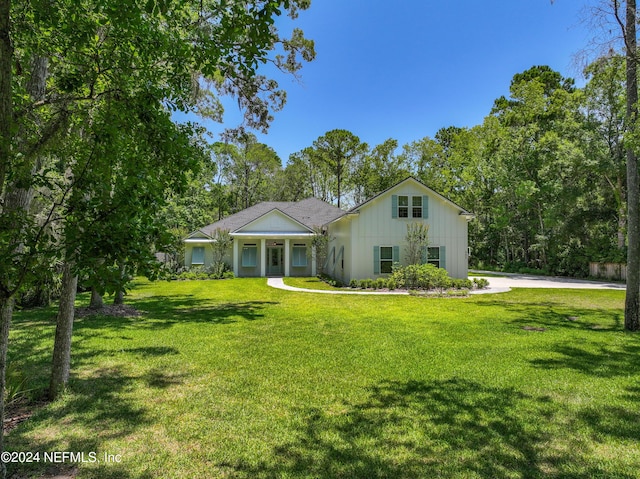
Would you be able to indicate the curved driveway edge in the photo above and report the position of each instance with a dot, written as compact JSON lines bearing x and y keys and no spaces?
{"x":500,"y":284}
{"x":279,"y":284}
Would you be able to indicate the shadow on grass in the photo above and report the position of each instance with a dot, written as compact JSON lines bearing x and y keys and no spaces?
{"x":559,"y":315}
{"x":31,"y":341}
{"x":166,"y":310}
{"x":595,"y":360}
{"x":93,"y":411}
{"x":447,"y":428}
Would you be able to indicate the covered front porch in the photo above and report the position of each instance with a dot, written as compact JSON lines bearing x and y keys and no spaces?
{"x":273,"y":254}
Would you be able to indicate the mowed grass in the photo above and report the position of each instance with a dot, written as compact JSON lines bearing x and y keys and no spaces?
{"x":309,"y":283}
{"x":234,"y":379}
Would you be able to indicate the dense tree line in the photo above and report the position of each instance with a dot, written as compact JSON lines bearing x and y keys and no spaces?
{"x":544,"y":173}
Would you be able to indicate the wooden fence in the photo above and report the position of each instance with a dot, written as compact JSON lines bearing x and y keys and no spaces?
{"x":608,"y":270}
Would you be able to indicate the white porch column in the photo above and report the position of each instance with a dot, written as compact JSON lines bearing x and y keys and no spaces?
{"x":263,"y":257}
{"x":313,"y":261}
{"x":287,"y":260}
{"x":235,"y":258}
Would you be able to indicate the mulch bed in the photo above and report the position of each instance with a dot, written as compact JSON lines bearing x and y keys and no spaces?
{"x":18,"y":413}
{"x":117,"y":310}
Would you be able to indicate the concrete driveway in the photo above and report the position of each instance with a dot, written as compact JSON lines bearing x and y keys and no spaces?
{"x":496,"y":284}
{"x":506,"y":281}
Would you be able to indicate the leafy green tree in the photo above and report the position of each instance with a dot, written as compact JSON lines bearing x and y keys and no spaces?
{"x":252,"y":172}
{"x":605,"y":98}
{"x":338,"y":151}
{"x":434,"y":161}
{"x":417,"y":242}
{"x":205,"y":198}
{"x":222,"y":242}
{"x":295,"y":184}
{"x":320,"y":242}
{"x":321,"y":180}
{"x":538,"y":159}
{"x":378,"y":169}
{"x":58,"y":59}
{"x":136,"y":154}
{"x":632,"y":299}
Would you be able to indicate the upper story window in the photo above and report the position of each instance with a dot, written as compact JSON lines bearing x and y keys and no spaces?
{"x":416,"y":203}
{"x":405,"y":206}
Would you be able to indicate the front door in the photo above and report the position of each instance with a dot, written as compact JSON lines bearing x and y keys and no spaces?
{"x":275,"y":266}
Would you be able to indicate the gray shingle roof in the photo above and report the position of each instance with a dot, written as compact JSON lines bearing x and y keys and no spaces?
{"x":311,"y":212}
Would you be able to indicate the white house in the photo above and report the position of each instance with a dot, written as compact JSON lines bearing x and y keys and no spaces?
{"x":275,"y":238}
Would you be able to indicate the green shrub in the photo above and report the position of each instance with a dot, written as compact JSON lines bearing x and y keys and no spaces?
{"x":354,"y":283}
{"x":16,"y":385}
{"x":462,"y":284}
{"x":365,"y":283}
{"x":380,"y":283}
{"x":480,"y":283}
{"x":330,"y":281}
{"x":391,"y":284}
{"x":421,"y":277}
{"x":215,"y":271}
{"x":454,"y":293}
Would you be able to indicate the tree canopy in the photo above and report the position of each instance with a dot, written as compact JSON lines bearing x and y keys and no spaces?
{"x":88,"y":149}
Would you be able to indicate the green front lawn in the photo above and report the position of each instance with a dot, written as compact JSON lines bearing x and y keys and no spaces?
{"x":309,"y":283}
{"x":235,"y":379}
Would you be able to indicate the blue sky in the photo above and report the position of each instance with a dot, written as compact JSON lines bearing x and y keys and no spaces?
{"x":404,"y":69}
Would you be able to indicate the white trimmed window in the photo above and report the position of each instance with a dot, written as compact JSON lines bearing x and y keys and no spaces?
{"x":299,"y":256}
{"x":416,"y":203}
{"x":403,"y":206}
{"x":433,"y":255}
{"x":249,"y":256}
{"x":386,"y":259}
{"x":197,"y":255}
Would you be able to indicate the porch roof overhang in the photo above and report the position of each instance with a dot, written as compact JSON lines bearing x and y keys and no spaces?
{"x":273,"y":234}
{"x":199,"y":240}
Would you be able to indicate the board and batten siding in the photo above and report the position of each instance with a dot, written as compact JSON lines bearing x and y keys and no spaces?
{"x":374,"y":225}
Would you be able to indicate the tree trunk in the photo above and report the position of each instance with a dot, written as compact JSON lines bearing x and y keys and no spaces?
{"x":15,"y":200}
{"x":6,"y":313}
{"x":6,"y":104}
{"x":16,"y":205}
{"x":632,"y":302}
{"x":96,"y":299}
{"x":622,"y":217}
{"x":118,"y":298}
{"x":61,"y":364}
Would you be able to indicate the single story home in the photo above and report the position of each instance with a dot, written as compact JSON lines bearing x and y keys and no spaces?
{"x":276,"y":238}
